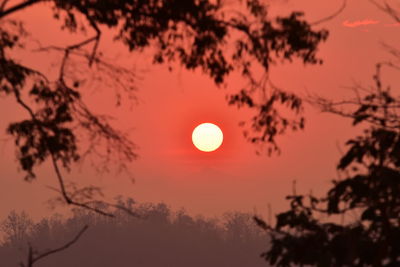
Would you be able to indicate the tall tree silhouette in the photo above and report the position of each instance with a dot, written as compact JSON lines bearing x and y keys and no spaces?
{"x":197,"y":34}
{"x":357,"y":223}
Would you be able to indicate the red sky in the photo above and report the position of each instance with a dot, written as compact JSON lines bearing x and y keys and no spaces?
{"x":171,"y":104}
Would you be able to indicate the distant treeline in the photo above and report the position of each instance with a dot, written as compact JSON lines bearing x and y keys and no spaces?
{"x":157,"y":237}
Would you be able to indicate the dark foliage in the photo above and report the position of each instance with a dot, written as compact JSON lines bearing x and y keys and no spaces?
{"x":370,"y":192}
{"x":194,"y":33}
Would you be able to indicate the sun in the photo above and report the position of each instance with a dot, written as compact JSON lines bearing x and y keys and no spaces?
{"x":207,"y":137}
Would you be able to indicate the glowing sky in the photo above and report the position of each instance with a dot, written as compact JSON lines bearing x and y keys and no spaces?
{"x":171,"y":104}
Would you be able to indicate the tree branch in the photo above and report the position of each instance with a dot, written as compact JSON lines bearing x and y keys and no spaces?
{"x":32,"y":259}
{"x":64,"y":193}
{"x":68,"y":49}
{"x":67,"y":198}
{"x":331,"y":16}
{"x":3,"y":5}
{"x":18,"y":7}
{"x":388,"y":10}
{"x":96,"y":38}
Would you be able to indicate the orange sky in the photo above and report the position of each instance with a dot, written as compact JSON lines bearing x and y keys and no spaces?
{"x":170,"y":105}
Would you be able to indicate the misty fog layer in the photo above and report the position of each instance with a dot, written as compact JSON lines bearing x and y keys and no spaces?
{"x":158,"y":237}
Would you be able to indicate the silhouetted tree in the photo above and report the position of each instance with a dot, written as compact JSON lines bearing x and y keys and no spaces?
{"x":16,"y":228}
{"x":357,"y":223}
{"x":197,"y":34}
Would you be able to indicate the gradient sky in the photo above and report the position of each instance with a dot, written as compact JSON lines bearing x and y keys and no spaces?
{"x":171,"y":104}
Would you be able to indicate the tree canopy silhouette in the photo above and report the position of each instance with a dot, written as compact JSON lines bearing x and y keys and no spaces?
{"x":357,"y":223}
{"x":197,"y":34}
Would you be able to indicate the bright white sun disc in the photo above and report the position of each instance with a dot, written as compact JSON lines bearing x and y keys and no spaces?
{"x":207,"y":137}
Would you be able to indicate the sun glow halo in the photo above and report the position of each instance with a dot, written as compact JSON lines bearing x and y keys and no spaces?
{"x":207,"y":137}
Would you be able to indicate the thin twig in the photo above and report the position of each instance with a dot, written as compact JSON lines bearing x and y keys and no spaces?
{"x":97,"y":40}
{"x":331,"y":16}
{"x":388,"y":10}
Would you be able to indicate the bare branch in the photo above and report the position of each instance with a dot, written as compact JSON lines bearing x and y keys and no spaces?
{"x":388,"y":10}
{"x":17,"y":7}
{"x":97,"y":40}
{"x":343,"y":6}
{"x":32,"y":259}
{"x":68,"y":199}
{"x":68,"y":49}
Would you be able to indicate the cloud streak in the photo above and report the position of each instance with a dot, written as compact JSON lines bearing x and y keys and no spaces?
{"x":359,"y":23}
